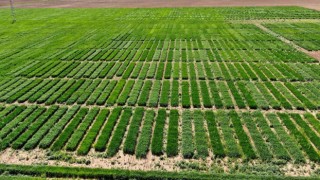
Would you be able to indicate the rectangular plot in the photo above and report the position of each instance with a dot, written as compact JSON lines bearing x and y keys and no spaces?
{"x":119,"y":131}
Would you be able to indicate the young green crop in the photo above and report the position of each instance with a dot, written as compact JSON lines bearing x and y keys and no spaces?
{"x":78,"y":133}
{"x":65,"y":135}
{"x":187,"y":135}
{"x":58,"y":127}
{"x":172,"y":141}
{"x":131,"y":139}
{"x":119,"y":131}
{"x":87,"y":142}
{"x":107,"y":130}
{"x":145,"y":135}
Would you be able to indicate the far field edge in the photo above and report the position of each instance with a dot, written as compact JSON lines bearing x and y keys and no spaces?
{"x":45,"y":171}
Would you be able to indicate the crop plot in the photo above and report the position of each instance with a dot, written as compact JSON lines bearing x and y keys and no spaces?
{"x":173,"y":87}
{"x":305,"y":35}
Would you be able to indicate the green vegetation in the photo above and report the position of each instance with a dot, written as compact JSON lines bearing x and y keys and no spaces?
{"x":187,"y":86}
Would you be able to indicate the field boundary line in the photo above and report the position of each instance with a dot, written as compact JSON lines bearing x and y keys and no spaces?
{"x":168,"y":108}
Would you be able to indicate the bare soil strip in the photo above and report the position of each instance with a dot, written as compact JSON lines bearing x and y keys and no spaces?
{"x":151,"y":162}
{"x":312,"y":4}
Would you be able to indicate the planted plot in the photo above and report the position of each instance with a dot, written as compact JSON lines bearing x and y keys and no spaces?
{"x":187,"y":135}
{"x":162,"y":88}
{"x":119,"y":131}
{"x":145,"y":136}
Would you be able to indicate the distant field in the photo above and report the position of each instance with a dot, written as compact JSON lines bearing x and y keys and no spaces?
{"x":312,"y":4}
{"x":220,"y":91}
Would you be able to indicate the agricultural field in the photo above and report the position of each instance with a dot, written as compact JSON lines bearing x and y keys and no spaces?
{"x":194,"y":93}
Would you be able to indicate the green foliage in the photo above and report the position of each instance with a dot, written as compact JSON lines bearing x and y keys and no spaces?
{"x":172,"y":141}
{"x":118,"y":133}
{"x":158,"y":133}
{"x":145,"y":135}
{"x":131,"y":139}
{"x":187,"y":135}
{"x":67,"y":132}
{"x":107,"y":130}
{"x":87,"y":142}
{"x":242,"y":136}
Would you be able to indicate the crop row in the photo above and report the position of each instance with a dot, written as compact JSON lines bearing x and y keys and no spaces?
{"x":253,"y":53}
{"x":225,"y":133}
{"x":174,"y":70}
{"x":121,"y":50}
{"x":219,"y":94}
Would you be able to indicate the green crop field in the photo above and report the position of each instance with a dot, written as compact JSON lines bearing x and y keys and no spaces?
{"x":181,"y":93}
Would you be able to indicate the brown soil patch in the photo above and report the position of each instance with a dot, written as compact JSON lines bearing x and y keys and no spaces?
{"x":124,"y":161}
{"x":313,"y":4}
{"x":315,"y":54}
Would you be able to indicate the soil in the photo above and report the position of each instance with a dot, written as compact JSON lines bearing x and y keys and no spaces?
{"x":313,"y":4}
{"x":151,"y":163}
{"x":315,"y":54}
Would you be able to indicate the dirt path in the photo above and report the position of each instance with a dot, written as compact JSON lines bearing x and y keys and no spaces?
{"x":312,"y":4}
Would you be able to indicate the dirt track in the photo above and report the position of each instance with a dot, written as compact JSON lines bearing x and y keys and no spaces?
{"x":314,"y":4}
